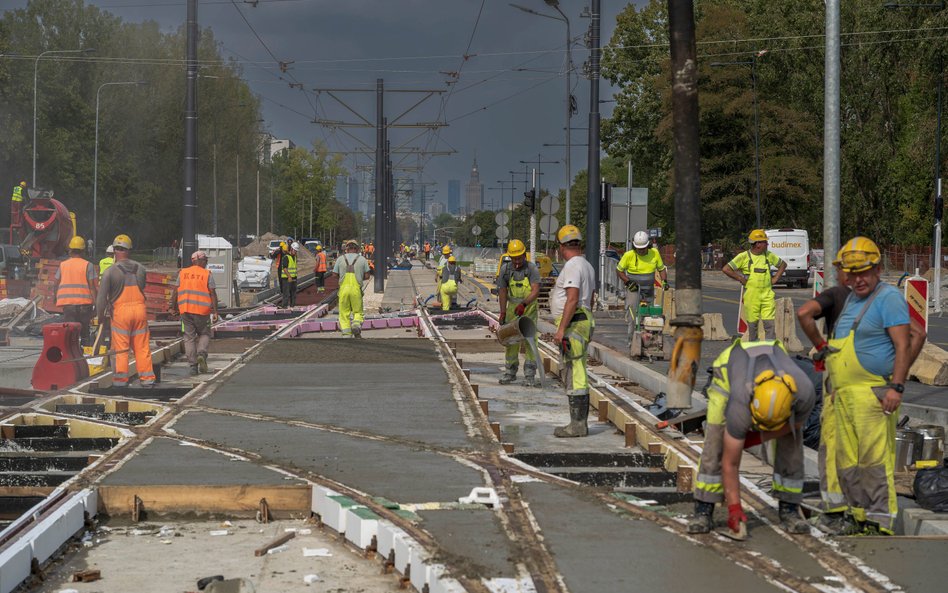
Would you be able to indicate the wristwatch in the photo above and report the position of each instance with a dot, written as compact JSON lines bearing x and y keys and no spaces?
{"x":898,"y":387}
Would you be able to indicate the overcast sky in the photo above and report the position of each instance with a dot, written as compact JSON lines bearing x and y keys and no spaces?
{"x":412,"y":44}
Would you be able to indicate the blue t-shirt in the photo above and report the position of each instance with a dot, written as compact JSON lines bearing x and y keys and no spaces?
{"x":874,"y":348}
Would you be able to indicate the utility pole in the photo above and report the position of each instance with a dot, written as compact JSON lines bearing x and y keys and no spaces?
{"x":189,"y":213}
{"x":831,"y":142}
{"x":377,"y":256}
{"x":257,"y":236}
{"x":592,"y":185}
{"x":214,"y":173}
{"x":688,"y":319}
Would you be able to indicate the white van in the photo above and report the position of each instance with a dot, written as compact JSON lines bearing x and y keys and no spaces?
{"x":793,"y":247}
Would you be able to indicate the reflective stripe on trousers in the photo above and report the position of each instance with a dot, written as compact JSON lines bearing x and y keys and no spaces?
{"x":517,"y":291}
{"x":579,"y":334}
{"x":350,"y":299}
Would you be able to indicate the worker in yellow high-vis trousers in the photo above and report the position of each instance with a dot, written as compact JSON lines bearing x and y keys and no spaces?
{"x":353,"y":270}
{"x":518,"y":287}
{"x":869,"y":354}
{"x":450,"y":282}
{"x":757,"y":393}
{"x":752,"y":269}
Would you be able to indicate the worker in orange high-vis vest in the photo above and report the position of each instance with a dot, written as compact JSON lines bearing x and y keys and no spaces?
{"x":195,"y":299}
{"x":75,"y":286}
{"x":321,"y":269}
{"x":122,"y":299}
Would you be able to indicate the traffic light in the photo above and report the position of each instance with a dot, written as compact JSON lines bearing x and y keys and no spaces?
{"x":605,"y":201}
{"x":530,"y":199}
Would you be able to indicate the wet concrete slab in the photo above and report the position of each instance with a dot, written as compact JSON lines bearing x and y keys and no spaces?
{"x":918,"y":566}
{"x":595,"y":553}
{"x":407,"y":400}
{"x":472,"y":543}
{"x":347,"y":350}
{"x":400,"y":472}
{"x":167,"y":461}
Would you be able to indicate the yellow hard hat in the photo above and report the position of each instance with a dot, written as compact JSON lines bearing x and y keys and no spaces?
{"x":452,"y":260}
{"x":756,"y":235}
{"x":858,"y":255}
{"x":516,"y":248}
{"x":446,"y":250}
{"x":77,"y":242}
{"x":283,"y":245}
{"x":123,"y":241}
{"x":22,"y":184}
{"x":319,"y":248}
{"x":568,"y":233}
{"x":773,"y":395}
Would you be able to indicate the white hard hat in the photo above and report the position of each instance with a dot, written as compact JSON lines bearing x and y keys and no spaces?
{"x":640,"y":240}
{"x":109,"y":249}
{"x":295,"y":246}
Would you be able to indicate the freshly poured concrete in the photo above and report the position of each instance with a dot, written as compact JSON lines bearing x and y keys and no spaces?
{"x":918,"y":566}
{"x":472,"y":542}
{"x":397,"y":471}
{"x":167,"y":461}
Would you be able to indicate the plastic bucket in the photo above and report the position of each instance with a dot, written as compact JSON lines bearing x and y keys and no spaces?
{"x":908,"y":447}
{"x":933,"y":442}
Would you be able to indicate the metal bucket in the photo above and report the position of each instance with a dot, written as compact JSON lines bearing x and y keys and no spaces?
{"x":908,"y":447}
{"x":933,"y":442}
{"x":516,"y":331}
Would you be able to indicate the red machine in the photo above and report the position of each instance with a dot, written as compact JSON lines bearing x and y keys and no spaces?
{"x":60,"y":364}
{"x":44,"y":226}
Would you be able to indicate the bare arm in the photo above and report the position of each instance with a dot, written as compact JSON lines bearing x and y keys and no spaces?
{"x":806,"y":315}
{"x":502,"y":299}
{"x":899,"y":334}
{"x":780,"y":270}
{"x":569,"y":309}
{"x":734,"y":274}
{"x":730,"y":468}
{"x":534,"y":293}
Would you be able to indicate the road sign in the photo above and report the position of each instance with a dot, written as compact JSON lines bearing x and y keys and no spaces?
{"x":916,"y":295}
{"x":817,"y":283}
{"x":548,"y":224}
{"x":549,"y":205}
{"x":502,"y":232}
{"x":475,"y":230}
{"x":501,"y":218}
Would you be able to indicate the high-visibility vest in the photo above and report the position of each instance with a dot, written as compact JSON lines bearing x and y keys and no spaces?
{"x":104,"y":264}
{"x":290,"y":270}
{"x":17,"y":194}
{"x":193,"y":294}
{"x":321,"y":261}
{"x":74,"y":283}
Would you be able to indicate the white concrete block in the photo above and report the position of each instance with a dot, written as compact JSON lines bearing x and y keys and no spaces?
{"x":14,"y":565}
{"x":337,"y":510}
{"x":318,"y":497}
{"x":361,"y":526}
{"x":420,"y":569}
{"x":445,"y":585}
{"x":405,"y":551}
{"x":388,"y":532}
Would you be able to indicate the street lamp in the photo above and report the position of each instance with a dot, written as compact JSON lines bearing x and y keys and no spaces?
{"x":570,"y":102}
{"x":753,"y":64}
{"x":939,"y":202}
{"x":35,"y":71}
{"x":95,"y":159}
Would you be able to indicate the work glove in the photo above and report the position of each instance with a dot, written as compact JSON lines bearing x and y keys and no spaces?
{"x":521,"y":308}
{"x":819,"y":357}
{"x":631,"y":285}
{"x":664,"y":285}
{"x":752,"y":438}
{"x":735,"y":516}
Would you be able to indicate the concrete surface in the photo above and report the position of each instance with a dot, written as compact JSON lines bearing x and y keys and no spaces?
{"x":918,"y":566}
{"x":472,"y":542}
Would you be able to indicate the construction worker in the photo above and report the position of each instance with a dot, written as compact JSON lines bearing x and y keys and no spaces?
{"x":518,"y":286}
{"x":277,"y":256}
{"x":16,"y":203}
{"x":450,"y":282}
{"x":427,"y":251}
{"x":637,"y":269}
{"x":106,"y":262}
{"x":320,"y":271}
{"x":75,"y":285}
{"x":195,"y":299}
{"x":352,"y":270}
{"x":571,"y":305}
{"x":752,"y":269}
{"x":868,"y":357}
{"x":757,"y":393}
{"x":122,"y":299}
{"x":288,"y":275}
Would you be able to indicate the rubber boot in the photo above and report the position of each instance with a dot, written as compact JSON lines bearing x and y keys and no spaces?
{"x":578,"y":412}
{"x":510,"y":375}
{"x":703,"y":519}
{"x":202,"y":363}
{"x":832,"y":523}
{"x":357,"y":330}
{"x":193,"y":370}
{"x":530,"y":375}
{"x":791,"y":519}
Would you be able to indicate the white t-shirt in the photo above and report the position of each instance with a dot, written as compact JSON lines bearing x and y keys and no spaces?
{"x":577,"y":273}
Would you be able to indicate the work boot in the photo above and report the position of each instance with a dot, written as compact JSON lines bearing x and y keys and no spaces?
{"x":703,"y":519}
{"x":791,"y":519}
{"x":578,"y":412}
{"x":202,"y":363}
{"x":510,"y":375}
{"x":194,"y":370}
{"x":356,"y":330}
{"x":530,"y":381}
